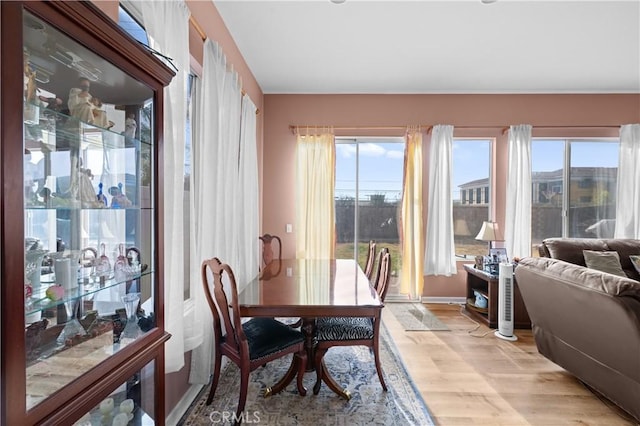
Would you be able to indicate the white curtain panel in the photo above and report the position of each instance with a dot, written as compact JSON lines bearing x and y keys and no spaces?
{"x":440,"y":256}
{"x":249,"y":193}
{"x":628,"y":198}
{"x":167,"y":24}
{"x":518,"y":210}
{"x":218,"y":197}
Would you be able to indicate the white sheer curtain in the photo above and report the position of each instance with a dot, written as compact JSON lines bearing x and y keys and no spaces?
{"x":517,"y":230}
{"x":628,"y":199}
{"x":315,"y":182}
{"x":249,"y":191}
{"x":440,"y":258}
{"x":167,"y":24}
{"x":222,"y":189}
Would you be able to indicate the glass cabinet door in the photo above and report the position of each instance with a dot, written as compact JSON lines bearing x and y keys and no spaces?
{"x":88,"y":209}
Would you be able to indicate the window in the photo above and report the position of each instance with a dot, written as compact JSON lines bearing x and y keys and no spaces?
{"x":471,"y":196}
{"x":573,"y":188}
{"x":186,"y":220}
{"x":368,"y":198}
{"x":127,"y":22}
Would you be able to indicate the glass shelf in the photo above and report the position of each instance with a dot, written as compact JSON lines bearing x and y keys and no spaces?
{"x":50,"y":125}
{"x":84,"y":291}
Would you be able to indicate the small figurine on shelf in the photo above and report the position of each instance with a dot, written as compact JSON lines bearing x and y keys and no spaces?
{"x":86,"y":193}
{"x":120,"y":267}
{"x":103,"y":265}
{"x":80,"y":104}
{"x":101,"y":197}
{"x":30,"y":80}
{"x":130,"y":126}
{"x":119,"y":200}
{"x":31,"y":110}
{"x":100,"y":115}
{"x":54,"y":104}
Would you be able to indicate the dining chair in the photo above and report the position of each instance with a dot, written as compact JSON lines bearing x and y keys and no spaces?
{"x":268,"y":252}
{"x":377,"y":282}
{"x":371,"y":258}
{"x":351,"y":331}
{"x":272,"y":265}
{"x":251,"y":344}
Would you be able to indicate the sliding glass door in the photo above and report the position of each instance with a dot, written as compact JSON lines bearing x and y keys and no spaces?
{"x":368,"y":199}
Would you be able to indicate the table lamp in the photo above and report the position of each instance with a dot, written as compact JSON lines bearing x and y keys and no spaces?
{"x":489,"y":232}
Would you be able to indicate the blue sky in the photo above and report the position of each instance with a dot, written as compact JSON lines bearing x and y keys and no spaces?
{"x":380,"y":166}
{"x":381,"y":162}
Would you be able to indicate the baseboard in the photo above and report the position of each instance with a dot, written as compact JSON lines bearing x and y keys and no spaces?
{"x":445,"y":300}
{"x":183,"y":405}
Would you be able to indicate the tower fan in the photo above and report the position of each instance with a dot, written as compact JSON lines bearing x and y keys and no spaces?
{"x":505,"y":303}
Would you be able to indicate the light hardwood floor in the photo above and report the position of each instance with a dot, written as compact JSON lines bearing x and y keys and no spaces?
{"x":468,"y":380}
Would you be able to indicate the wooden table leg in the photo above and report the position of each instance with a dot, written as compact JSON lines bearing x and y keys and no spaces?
{"x":308,"y":328}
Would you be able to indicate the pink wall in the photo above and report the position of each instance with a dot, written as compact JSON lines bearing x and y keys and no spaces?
{"x":491,"y":113}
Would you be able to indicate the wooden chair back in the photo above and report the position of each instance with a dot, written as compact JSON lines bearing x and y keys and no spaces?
{"x":384,"y":274}
{"x":371,"y":258}
{"x":219,"y":285}
{"x":268,"y":250}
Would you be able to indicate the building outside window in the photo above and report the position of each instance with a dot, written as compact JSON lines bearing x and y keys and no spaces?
{"x":574,"y":185}
{"x":471,"y":162}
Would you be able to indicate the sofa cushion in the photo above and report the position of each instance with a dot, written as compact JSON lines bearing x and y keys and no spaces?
{"x":605,"y":261}
{"x":626,"y":247}
{"x":570,"y":249}
{"x":635,"y":261}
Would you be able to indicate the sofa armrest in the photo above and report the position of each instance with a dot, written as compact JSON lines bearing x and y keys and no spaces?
{"x":594,"y":312}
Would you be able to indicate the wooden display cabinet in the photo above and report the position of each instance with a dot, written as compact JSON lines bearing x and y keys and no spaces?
{"x":487,"y":285}
{"x":81,"y":236}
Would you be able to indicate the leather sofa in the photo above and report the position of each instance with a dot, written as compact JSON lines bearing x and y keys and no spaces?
{"x":584,"y":320}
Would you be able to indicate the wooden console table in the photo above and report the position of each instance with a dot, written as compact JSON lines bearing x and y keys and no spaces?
{"x":487,"y":285}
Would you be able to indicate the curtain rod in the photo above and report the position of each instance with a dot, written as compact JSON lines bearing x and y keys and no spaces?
{"x":428,"y":128}
{"x":198,"y":28}
{"x":293,"y":127}
{"x":203,"y":37}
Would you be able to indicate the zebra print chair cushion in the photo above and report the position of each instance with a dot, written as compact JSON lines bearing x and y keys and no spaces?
{"x":344,"y":328}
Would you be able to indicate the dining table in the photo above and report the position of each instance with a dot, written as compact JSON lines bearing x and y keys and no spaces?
{"x":308,"y":289}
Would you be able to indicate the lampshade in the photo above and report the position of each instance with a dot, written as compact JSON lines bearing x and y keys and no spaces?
{"x":489,"y":232}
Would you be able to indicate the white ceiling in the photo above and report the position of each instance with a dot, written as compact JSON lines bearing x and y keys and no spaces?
{"x":455,"y":46}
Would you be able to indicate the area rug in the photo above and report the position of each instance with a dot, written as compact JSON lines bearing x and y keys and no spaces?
{"x":352,"y":367}
{"x":415,"y":317}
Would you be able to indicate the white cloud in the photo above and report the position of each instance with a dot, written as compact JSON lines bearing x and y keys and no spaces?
{"x":396,"y":155}
{"x":367,"y":150}
{"x":346,"y":150}
{"x":372,"y":150}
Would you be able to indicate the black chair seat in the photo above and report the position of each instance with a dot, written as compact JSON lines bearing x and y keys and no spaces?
{"x":267,"y":336}
{"x":344,"y":328}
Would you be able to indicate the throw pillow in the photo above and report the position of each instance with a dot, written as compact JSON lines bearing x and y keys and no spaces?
{"x":605,"y":261}
{"x":635,"y":261}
